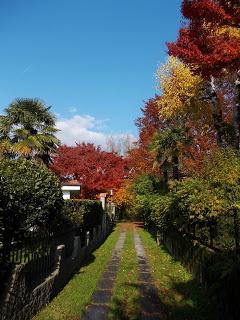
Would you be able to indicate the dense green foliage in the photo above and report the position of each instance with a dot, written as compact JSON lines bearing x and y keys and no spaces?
{"x":28,"y":129}
{"x":87,"y":213}
{"x":146,"y":190}
{"x":205,"y":208}
{"x":198,"y":220}
{"x":146,"y":184}
{"x":30,"y":199}
{"x":161,"y":212}
{"x":168,"y":146}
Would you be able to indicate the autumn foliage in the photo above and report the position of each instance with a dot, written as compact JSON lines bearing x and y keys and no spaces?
{"x":189,"y":135}
{"x":210,"y":42}
{"x":95,"y":169}
{"x":140,"y":158}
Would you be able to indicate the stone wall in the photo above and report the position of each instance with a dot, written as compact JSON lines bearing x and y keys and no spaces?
{"x":22,"y":302}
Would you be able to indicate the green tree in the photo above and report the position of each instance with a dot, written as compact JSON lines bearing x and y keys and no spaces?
{"x":146,"y":184}
{"x":28,"y":129}
{"x":30,"y":199}
{"x":161,"y":213}
{"x":199,"y":205}
{"x":168,"y":146}
{"x":146,"y":188}
{"x":222,"y":170}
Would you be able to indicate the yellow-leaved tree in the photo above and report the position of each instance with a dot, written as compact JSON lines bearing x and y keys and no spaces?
{"x":180,"y":89}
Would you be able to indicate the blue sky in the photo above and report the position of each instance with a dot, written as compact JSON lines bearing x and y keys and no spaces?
{"x":93,"y":61}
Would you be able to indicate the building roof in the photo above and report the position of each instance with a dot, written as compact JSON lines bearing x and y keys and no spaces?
{"x":71,"y":183}
{"x":103,"y":194}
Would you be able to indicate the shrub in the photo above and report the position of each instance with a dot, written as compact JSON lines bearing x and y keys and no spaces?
{"x":200,"y":207}
{"x":143,"y":208}
{"x":161,"y":212}
{"x":146,"y":184}
{"x":84,"y":213}
{"x":30,"y":198}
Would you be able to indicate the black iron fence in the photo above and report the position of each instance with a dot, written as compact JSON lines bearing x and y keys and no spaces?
{"x":35,"y":246}
{"x":37,"y":252}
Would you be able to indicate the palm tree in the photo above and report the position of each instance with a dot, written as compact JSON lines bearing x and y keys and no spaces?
{"x":168,"y":145}
{"x":28,"y":129}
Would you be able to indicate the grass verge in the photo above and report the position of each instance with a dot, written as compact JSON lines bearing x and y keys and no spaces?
{"x":125,"y":300}
{"x":71,"y":301}
{"x":182,"y":296}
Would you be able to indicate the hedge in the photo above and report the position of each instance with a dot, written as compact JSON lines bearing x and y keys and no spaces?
{"x":84,"y":213}
{"x":30,"y":197}
{"x":30,"y":200}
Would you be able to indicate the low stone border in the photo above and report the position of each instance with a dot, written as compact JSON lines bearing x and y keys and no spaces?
{"x":22,"y":303}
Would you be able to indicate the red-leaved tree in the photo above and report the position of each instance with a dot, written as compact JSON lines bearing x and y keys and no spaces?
{"x":209,"y":43}
{"x":95,"y":169}
{"x":141,"y":159}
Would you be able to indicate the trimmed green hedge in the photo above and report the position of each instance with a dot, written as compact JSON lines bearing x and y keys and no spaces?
{"x":31,"y":204}
{"x":84,"y":213}
{"x":30,"y":197}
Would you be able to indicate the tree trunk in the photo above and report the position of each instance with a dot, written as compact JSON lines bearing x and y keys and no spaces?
{"x":194,"y":230}
{"x":210,"y":235}
{"x":236,"y":113}
{"x":164,"y":170}
{"x":217,"y":114}
{"x":165,"y":176}
{"x":175,"y":164}
{"x":236,"y":229}
{"x":5,"y":253}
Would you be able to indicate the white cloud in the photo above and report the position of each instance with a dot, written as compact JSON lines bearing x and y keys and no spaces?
{"x":85,"y":128}
{"x":72,"y":109}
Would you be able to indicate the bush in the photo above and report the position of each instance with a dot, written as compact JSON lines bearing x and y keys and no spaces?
{"x":30,"y":198}
{"x":161,"y":213}
{"x":143,"y":208}
{"x":147,"y":184}
{"x":84,"y":213}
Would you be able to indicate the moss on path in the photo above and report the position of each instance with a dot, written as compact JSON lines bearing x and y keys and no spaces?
{"x":125,"y":300}
{"x":74,"y":297}
{"x":181,"y":297}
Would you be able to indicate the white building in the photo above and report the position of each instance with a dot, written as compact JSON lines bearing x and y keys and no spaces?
{"x":71,"y":189}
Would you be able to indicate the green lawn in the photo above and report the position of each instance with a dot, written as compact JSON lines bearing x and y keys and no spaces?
{"x":71,"y":301}
{"x":183,"y":297}
{"x":124,"y":304}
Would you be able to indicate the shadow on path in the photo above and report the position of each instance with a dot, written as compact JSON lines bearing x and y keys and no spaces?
{"x":180,"y":300}
{"x":98,"y":308}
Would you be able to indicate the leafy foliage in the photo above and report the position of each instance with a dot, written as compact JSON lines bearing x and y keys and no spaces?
{"x":95,"y":169}
{"x":28,"y":129}
{"x":146,"y":184}
{"x":85,"y":213}
{"x":30,"y":199}
{"x":161,"y":213}
{"x":199,"y":206}
{"x":210,"y":42}
{"x":181,"y":88}
{"x":143,"y":205}
{"x":168,"y":146}
{"x":223,"y":172}
{"x":123,"y":197}
{"x":146,"y":189}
